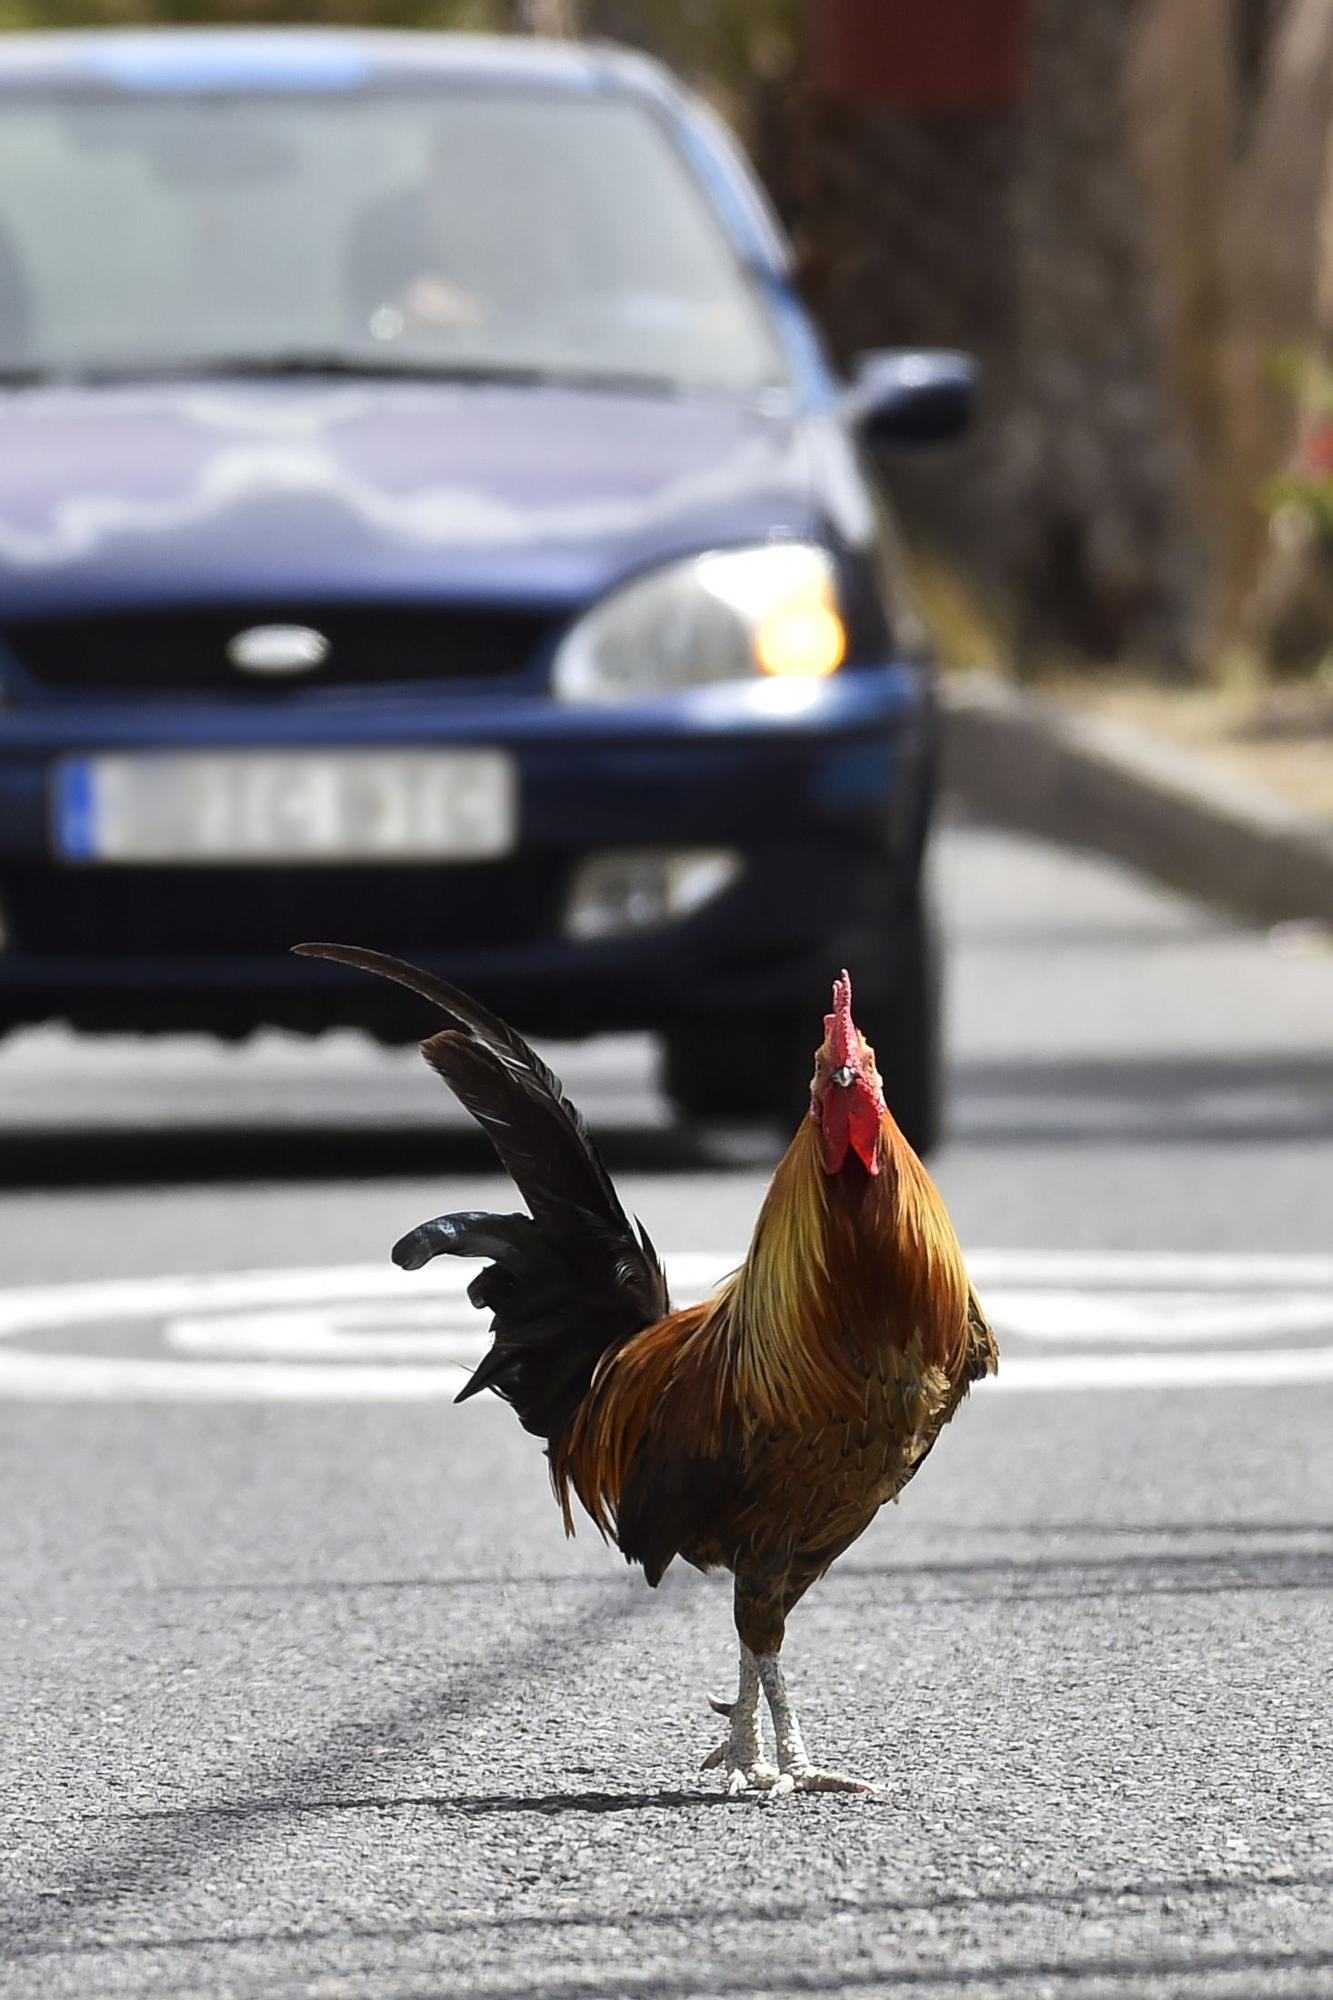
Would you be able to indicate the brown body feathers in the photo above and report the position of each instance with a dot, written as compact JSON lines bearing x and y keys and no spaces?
{"x":763,"y":1429}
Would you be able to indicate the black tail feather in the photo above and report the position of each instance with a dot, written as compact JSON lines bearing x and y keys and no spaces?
{"x":556,"y":1308}
{"x":477,"y":1023}
{"x":488,"y":1374}
{"x":550,"y":1160}
{"x":564,"y":1284}
{"x":471,"y":1234}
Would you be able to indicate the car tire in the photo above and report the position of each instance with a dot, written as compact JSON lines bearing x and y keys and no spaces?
{"x":761,"y":1068}
{"x":907,"y":1034}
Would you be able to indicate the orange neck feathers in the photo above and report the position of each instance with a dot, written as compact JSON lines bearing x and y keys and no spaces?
{"x":841,"y":1265}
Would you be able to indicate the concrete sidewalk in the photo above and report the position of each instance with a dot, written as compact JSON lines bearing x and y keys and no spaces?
{"x":1020,"y":759}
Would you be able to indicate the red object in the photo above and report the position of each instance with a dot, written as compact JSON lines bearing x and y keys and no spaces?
{"x":921,"y":55}
{"x":839,"y":1025}
{"x":1317,"y":452}
{"x":848,"y":1114}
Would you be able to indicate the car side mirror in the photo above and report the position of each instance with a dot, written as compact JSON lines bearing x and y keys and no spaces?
{"x":911,"y":396}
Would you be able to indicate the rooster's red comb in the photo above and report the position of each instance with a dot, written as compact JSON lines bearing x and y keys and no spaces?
{"x":839,"y":1027}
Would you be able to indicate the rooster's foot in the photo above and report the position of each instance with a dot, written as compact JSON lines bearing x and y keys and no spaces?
{"x":796,"y":1772}
{"x":741,"y":1753}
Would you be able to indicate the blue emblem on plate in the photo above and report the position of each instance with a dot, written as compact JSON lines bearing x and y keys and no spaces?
{"x":74,"y":813}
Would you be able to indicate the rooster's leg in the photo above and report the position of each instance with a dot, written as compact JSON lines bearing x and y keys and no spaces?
{"x":798,"y":1774}
{"x":741,"y":1754}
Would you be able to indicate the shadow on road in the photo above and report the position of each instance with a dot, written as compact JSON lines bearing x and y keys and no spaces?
{"x":1152,"y":1574}
{"x":1084,"y":1900}
{"x":1145,"y":1573}
{"x":118,"y":1156}
{"x":1260,"y":1100}
{"x":145,"y":1853}
{"x":471,"y":1805}
{"x":1162,"y":1101}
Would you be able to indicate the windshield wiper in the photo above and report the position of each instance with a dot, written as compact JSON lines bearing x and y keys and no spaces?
{"x":338,"y":364}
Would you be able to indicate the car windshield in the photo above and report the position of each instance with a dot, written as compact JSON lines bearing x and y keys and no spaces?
{"x":479,"y":234}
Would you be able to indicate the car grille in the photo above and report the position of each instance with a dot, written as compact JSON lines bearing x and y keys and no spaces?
{"x":371,"y":644}
{"x":245,"y":912}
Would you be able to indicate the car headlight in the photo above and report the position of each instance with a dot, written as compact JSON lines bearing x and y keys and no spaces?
{"x":725,"y":616}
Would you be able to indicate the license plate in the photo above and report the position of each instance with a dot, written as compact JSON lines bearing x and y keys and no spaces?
{"x":267,"y":806}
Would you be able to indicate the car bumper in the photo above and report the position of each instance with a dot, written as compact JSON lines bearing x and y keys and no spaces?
{"x":821,"y":791}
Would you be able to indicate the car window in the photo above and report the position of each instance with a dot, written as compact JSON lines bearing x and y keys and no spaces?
{"x":489,"y":231}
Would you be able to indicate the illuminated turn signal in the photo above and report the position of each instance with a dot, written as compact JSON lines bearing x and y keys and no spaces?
{"x":803,"y":639}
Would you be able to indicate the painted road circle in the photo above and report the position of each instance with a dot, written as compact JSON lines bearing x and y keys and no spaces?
{"x":1067,"y":1320}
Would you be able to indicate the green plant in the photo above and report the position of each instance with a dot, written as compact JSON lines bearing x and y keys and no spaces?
{"x":1303,"y":491}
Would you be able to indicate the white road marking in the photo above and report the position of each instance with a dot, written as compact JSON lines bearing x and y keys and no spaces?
{"x":373,"y":1333}
{"x":27,"y":1307}
{"x":1155,"y":1318}
{"x":1121,"y":1269}
{"x":70,"y":1378}
{"x":1248,"y":1368}
{"x":331,"y":1333}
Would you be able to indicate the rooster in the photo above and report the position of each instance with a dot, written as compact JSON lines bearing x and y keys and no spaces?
{"x":759,"y":1432}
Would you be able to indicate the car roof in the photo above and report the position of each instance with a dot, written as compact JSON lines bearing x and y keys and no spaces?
{"x":233,"y":58}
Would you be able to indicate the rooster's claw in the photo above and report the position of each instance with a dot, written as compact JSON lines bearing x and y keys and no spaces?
{"x":739,"y":1754}
{"x":756,"y":1777}
{"x":807,"y":1779}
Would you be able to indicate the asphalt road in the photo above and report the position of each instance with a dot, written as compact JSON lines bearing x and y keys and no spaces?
{"x":303,"y":1692}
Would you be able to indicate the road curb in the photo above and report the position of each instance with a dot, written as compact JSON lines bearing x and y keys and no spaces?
{"x":1020,"y":759}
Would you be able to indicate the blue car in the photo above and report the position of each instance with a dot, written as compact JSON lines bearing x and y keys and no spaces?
{"x":427,"y":520}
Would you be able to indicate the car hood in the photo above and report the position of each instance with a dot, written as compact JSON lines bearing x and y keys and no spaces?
{"x":297,"y":491}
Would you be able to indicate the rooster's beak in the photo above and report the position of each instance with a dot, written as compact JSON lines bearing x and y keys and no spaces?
{"x":844,"y":1077}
